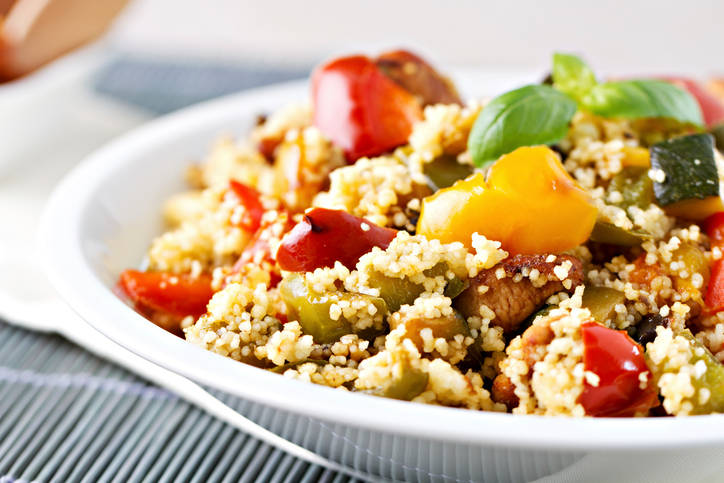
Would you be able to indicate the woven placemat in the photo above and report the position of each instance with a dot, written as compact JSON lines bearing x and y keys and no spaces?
{"x":68,"y":416}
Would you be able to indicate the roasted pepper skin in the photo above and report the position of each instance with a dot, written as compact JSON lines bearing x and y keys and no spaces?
{"x":714,"y":227}
{"x":326,"y":236}
{"x":618,"y":362}
{"x":360,"y":109}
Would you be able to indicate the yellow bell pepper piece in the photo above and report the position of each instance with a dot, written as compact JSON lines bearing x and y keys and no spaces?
{"x":528,"y":203}
{"x":636,"y":156}
{"x":696,"y":209}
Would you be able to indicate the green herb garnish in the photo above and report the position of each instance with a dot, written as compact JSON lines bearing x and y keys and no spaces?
{"x":572,"y":76}
{"x":637,"y":99}
{"x":541,"y":114}
{"x":524,"y":117}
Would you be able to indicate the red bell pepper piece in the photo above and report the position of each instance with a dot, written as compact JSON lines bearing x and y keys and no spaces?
{"x":259,"y":252}
{"x":360,"y":109}
{"x":326,"y":236}
{"x":714,"y":227}
{"x":177,"y":295}
{"x":251,"y":201}
{"x":618,"y":361}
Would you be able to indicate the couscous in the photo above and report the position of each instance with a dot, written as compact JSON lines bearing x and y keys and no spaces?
{"x":556,"y":250}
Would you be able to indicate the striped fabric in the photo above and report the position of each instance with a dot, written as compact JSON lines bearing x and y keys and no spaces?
{"x":68,"y":416}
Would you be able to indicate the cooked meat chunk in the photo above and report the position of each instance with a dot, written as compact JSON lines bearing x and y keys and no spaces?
{"x":418,"y":77}
{"x":521,"y":290}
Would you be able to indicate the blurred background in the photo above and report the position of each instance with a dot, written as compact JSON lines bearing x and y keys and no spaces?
{"x":164,"y":54}
{"x":617,"y":36}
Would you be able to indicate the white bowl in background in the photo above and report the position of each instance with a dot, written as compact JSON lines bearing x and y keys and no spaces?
{"x":100,"y":220}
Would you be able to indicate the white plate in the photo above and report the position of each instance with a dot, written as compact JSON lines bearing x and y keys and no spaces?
{"x":100,"y":220}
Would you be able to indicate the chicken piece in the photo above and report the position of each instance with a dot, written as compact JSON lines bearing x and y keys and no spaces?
{"x":521,"y":290}
{"x":418,"y":78}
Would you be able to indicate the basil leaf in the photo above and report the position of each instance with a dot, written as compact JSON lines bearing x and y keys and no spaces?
{"x":527,"y":116}
{"x":572,"y":76}
{"x":637,"y":99}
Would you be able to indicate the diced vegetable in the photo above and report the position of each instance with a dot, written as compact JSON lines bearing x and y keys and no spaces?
{"x":312,"y":310}
{"x":445,"y":326}
{"x":635,"y":187}
{"x":253,"y":209}
{"x":643,"y":273}
{"x":602,"y":302}
{"x":541,"y":312}
{"x":259,"y":252}
{"x":645,"y":331}
{"x":528,"y":203}
{"x":691,"y":185}
{"x":444,"y":171}
{"x":178,"y":295}
{"x":455,"y":287}
{"x":636,"y":156}
{"x":714,"y":226}
{"x":692,"y":261}
{"x":718,"y":132}
{"x":688,"y":261}
{"x":402,"y":291}
{"x":405,"y":384}
{"x":710,"y":381}
{"x":298,"y":173}
{"x":618,"y":362}
{"x":360,"y":109}
{"x":326,"y":236}
{"x":606,"y":232}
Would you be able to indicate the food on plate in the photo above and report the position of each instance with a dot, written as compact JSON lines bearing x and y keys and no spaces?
{"x":556,"y":250}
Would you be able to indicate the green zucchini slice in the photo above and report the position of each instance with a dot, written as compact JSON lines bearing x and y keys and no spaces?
{"x":690,"y":188}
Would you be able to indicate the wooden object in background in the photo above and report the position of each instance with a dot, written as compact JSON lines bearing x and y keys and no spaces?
{"x":35,"y":32}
